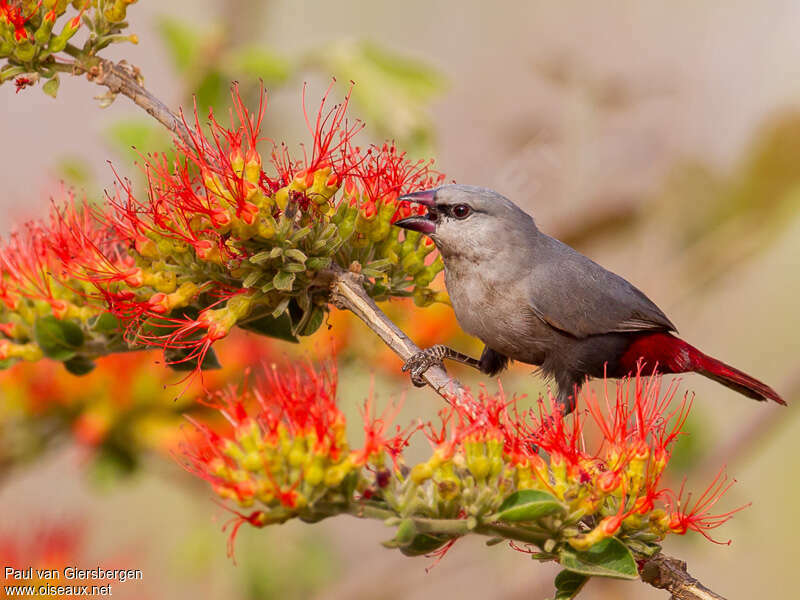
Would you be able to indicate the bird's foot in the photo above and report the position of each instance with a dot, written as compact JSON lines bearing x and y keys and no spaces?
{"x":422,"y":361}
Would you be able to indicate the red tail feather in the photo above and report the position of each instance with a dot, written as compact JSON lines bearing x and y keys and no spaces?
{"x":673,"y":355}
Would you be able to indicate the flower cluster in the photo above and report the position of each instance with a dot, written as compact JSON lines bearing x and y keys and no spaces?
{"x":44,"y":309}
{"x":30,"y":37}
{"x":222,"y":238}
{"x":525,"y":475}
{"x":129,"y":406}
{"x":286,"y":447}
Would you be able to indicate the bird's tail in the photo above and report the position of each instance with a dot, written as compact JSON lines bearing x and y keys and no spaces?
{"x":673,"y":355}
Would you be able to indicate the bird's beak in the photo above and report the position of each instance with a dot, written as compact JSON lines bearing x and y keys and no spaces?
{"x":426,"y":198}
{"x":422,"y":223}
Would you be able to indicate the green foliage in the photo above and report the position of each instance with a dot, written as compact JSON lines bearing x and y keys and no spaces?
{"x":569,"y":584}
{"x":59,"y":339}
{"x":74,"y":170}
{"x":50,"y":87}
{"x":274,"y":327}
{"x":79,"y":365}
{"x":529,"y":505}
{"x":104,"y":323}
{"x":726,"y":218}
{"x":392,"y":90}
{"x":130,"y":136}
{"x":293,"y":563}
{"x":177,"y":360}
{"x":39,"y":42}
{"x":184,"y":43}
{"x":258,"y":62}
{"x":607,"y":558}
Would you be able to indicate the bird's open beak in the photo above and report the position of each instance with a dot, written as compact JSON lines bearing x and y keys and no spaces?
{"x":422,"y":223}
{"x":426,"y":198}
{"x":418,"y":223}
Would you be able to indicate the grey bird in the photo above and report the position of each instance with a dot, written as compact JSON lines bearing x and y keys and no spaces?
{"x":533,"y":299}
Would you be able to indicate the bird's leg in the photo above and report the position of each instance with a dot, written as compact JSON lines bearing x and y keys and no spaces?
{"x":435,"y":355}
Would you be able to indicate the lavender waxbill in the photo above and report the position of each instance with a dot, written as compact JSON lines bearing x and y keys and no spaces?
{"x":532,"y":298}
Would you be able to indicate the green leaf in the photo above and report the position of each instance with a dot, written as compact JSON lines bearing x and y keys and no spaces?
{"x":283,"y":281}
{"x":136,"y":133}
{"x":75,"y":170}
{"x":568,"y":584}
{"x":280,"y":328}
{"x":424,"y":544}
{"x":51,"y":86}
{"x":607,"y":558}
{"x":252,"y":279}
{"x":379,"y":265}
{"x":300,"y":234}
{"x":529,"y":505}
{"x":393,"y":90}
{"x":317,"y":263}
{"x":183,"y":42}
{"x":256,"y":61}
{"x":176,"y":360}
{"x":293,"y":267}
{"x":280,"y":309}
{"x":59,"y":340}
{"x":314,"y":321}
{"x":213,"y":90}
{"x":104,"y":323}
{"x":260,"y":257}
{"x":295,"y":254}
{"x":79,"y":365}
{"x":404,"y":536}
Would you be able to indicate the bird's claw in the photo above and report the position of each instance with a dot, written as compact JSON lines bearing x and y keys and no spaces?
{"x":419,"y":363}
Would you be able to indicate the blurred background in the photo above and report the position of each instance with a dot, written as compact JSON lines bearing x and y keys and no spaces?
{"x":663,"y":141}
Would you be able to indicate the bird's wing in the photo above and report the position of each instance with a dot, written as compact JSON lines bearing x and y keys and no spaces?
{"x":577,"y":296}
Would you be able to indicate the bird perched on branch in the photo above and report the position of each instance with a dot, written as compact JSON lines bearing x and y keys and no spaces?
{"x":532,"y":298}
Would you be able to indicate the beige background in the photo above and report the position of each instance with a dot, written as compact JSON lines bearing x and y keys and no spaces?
{"x":566,"y":107}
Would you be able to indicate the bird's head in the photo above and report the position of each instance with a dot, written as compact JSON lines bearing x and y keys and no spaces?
{"x":467,"y":220}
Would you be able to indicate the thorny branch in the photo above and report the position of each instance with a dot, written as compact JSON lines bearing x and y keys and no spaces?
{"x":660,"y":571}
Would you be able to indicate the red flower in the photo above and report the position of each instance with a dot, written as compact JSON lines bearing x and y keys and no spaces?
{"x":683,"y":515}
{"x":12,"y":13}
{"x":22,"y":82}
{"x":384,"y":174}
{"x":376,"y":437}
{"x":28,"y":269}
{"x":286,"y":434}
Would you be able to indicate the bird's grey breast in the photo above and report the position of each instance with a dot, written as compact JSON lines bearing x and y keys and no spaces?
{"x":490,"y":303}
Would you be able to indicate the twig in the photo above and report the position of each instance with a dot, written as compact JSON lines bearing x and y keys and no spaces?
{"x":667,"y":573}
{"x":348,"y":292}
{"x":123,"y":78}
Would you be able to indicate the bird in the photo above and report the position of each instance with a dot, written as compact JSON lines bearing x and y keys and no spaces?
{"x":532,"y":298}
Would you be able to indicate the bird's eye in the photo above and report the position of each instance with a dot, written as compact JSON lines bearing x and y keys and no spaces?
{"x":461,"y":211}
